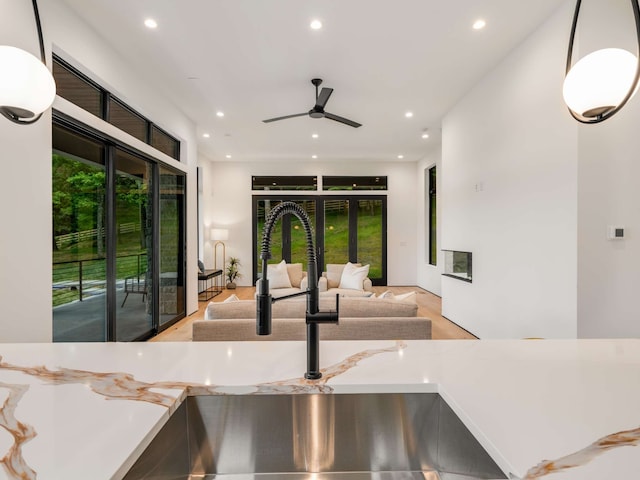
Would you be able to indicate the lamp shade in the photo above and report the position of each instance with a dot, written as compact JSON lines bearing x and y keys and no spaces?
{"x":27,"y":87}
{"x":600,"y":81}
{"x":219,"y":234}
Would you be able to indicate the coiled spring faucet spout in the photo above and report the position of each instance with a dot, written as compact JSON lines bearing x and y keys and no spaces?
{"x":264,"y":299}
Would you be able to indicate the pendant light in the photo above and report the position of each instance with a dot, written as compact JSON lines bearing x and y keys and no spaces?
{"x":602,"y":82}
{"x":27,"y":87}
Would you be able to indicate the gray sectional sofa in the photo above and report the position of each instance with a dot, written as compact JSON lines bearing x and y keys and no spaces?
{"x":360,"y":319}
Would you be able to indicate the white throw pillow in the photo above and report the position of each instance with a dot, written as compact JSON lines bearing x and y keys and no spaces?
{"x":353,"y":277}
{"x":278,"y":275}
{"x":231,"y":298}
{"x":410,"y":297}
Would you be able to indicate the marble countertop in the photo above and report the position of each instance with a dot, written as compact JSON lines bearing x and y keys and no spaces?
{"x":556,"y":409}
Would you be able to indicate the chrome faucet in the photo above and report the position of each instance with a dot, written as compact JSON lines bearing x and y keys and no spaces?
{"x":264,"y":300}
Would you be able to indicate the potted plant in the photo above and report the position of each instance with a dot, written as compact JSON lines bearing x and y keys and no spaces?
{"x":232,"y":272}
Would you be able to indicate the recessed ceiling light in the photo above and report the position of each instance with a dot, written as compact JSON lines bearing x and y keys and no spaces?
{"x":425,"y":135}
{"x":206,"y":135}
{"x":316,"y":24}
{"x":408,"y":114}
{"x":314,"y":156}
{"x":150,"y":23}
{"x":479,"y":24}
{"x":228,"y":156}
{"x":315,"y":135}
{"x":400,"y":157}
{"x":220,"y":114}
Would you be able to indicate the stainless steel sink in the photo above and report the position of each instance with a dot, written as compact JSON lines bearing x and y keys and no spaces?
{"x":387,"y":436}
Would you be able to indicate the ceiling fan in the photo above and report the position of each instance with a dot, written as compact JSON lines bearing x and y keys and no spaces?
{"x":318,"y":110}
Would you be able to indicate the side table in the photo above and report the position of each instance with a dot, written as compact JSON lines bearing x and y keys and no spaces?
{"x":208,"y":284}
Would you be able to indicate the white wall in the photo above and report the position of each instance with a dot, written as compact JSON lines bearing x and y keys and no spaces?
{"x":25,"y":268}
{"x":509,"y":195}
{"x":228,"y":204}
{"x":429,"y":276}
{"x":25,"y":206}
{"x":609,"y":195}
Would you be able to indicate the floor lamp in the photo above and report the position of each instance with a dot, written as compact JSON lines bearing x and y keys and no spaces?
{"x":218,"y":235}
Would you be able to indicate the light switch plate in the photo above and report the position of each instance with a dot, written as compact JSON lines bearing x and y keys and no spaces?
{"x":615,"y":233}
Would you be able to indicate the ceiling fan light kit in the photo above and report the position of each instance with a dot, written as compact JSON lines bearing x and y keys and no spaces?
{"x":602,"y":82}
{"x":318,"y":110}
{"x":27,"y":87}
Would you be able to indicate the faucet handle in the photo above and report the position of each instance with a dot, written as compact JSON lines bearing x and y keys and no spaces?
{"x":324,"y":317}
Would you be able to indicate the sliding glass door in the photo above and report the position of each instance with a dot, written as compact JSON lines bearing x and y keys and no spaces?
{"x":171,"y":246}
{"x":336,"y":231}
{"x":347,"y":228}
{"x":133,"y":245}
{"x":79,"y":245}
{"x":371,"y":236}
{"x":118,"y":240}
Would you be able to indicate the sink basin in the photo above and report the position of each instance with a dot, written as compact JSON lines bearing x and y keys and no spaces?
{"x":386,"y":436}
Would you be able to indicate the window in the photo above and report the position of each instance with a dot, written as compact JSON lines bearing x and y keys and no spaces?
{"x":127,"y":120}
{"x":354,"y":183}
{"x":284,"y":183}
{"x":164,"y":142}
{"x":348,"y":228}
{"x":432,"y":215}
{"x":84,"y":92}
{"x":78,"y":89}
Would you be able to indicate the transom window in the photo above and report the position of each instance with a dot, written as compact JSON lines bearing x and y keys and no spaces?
{"x":82,"y":91}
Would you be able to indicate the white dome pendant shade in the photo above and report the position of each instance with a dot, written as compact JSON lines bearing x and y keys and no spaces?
{"x":598,"y":82}
{"x":602,"y":82}
{"x":26,"y":85}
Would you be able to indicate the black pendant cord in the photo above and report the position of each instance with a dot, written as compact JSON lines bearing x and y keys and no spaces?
{"x":39,"y":28}
{"x":632,"y":89}
{"x":8,"y":114}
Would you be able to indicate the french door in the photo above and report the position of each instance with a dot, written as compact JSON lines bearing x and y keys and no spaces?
{"x":348,"y":228}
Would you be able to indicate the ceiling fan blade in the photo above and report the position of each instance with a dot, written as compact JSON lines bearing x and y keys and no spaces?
{"x":285,"y":117}
{"x":346,"y":121}
{"x":321,"y":101}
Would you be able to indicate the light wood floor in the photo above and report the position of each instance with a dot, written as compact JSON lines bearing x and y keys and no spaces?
{"x":429,"y":306}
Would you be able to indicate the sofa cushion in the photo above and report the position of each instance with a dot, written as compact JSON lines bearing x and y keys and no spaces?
{"x":334,"y":273}
{"x":367,"y":307}
{"x":295,"y":273}
{"x":388,"y":328}
{"x":296,"y":308}
{"x":345,"y":292}
{"x":278,"y":276}
{"x":283,"y":292}
{"x":290,"y":308}
{"x":353,"y":276}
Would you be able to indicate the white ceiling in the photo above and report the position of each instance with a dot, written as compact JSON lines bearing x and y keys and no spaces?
{"x":254,"y":59}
